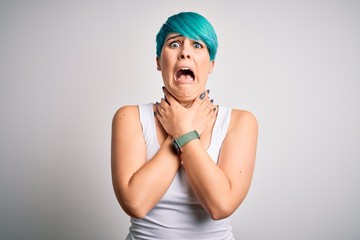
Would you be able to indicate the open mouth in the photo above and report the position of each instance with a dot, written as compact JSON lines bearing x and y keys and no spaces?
{"x":185,"y":74}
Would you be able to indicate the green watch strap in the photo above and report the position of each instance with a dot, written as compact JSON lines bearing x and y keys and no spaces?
{"x":184,"y":139}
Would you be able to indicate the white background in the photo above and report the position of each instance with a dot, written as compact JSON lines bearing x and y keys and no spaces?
{"x":67,"y":66}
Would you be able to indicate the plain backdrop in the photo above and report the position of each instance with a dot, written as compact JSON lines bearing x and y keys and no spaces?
{"x":67,"y":66}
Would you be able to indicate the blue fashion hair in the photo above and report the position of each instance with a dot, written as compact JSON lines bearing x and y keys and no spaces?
{"x":191,"y":25}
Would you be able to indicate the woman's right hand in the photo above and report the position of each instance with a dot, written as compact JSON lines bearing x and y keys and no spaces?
{"x":178,"y":120}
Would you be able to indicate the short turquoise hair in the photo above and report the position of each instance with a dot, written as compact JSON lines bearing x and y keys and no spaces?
{"x":191,"y":25}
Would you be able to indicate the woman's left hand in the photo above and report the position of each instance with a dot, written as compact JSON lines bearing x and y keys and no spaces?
{"x":178,"y":120}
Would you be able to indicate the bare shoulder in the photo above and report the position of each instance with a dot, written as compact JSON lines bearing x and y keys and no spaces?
{"x":126,"y":113}
{"x":127,"y":136}
{"x":243,"y":119}
{"x":239,"y":146}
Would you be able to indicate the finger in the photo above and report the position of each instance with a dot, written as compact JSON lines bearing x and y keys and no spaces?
{"x":214,"y":110}
{"x":164,"y":104}
{"x":209,"y":107}
{"x":157,"y":110}
{"x":213,"y":106}
{"x":160,"y":108}
{"x":198,"y":102}
{"x":169,"y":98}
{"x":207,"y":104}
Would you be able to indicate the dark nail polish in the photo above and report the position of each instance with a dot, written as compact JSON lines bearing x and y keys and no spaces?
{"x":212,"y":100}
{"x":208,"y":91}
{"x":214,"y":109}
{"x":202,"y":96}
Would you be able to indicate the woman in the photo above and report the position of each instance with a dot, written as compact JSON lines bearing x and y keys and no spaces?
{"x":182,"y":166}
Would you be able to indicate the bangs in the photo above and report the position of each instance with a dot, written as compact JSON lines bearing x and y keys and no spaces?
{"x":190,"y":25}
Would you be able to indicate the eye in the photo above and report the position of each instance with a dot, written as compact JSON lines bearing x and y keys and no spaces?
{"x":198,"y":45}
{"x":174,"y":44}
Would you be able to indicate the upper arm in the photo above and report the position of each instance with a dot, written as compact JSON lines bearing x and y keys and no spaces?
{"x":128,"y":151}
{"x":237,"y":156}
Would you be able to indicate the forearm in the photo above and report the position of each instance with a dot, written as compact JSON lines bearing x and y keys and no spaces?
{"x":210,"y":184}
{"x":147,"y":185}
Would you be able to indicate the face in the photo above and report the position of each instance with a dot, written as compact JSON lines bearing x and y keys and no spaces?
{"x":185,"y":66}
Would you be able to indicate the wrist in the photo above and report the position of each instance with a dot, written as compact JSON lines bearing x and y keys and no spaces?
{"x":181,"y":131}
{"x":179,"y":142}
{"x":168,"y":146}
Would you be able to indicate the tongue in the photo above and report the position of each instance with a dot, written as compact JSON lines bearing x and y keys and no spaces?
{"x":185,"y":78}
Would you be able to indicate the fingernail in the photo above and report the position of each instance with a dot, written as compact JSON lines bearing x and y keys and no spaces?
{"x":163,"y":88}
{"x":212,"y":100}
{"x":208,"y":91}
{"x":154,"y":113}
{"x":202,"y":96}
{"x":214,"y":109}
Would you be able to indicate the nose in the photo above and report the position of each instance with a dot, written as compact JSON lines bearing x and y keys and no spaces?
{"x":184,"y":56}
{"x":185,"y":52}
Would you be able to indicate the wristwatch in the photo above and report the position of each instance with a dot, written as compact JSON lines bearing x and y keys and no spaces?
{"x":179,"y":142}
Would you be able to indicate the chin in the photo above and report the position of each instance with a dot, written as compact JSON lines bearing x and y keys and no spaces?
{"x":185,"y":94}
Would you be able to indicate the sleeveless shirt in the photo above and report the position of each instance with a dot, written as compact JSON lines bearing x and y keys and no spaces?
{"x":179,"y":215}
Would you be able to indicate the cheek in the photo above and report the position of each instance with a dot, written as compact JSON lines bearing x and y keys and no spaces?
{"x":206,"y":68}
{"x":165,"y":62}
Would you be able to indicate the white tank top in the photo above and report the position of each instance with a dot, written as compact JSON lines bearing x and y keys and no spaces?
{"x":179,"y":215}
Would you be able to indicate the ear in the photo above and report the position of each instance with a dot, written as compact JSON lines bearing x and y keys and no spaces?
{"x":212,"y":65}
{"x":158,"y":64}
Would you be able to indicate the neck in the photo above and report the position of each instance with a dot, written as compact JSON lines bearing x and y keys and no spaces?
{"x":183,"y":100}
{"x":186,"y":104}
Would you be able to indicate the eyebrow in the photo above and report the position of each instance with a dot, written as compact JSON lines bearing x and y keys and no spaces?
{"x":175,"y":36}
